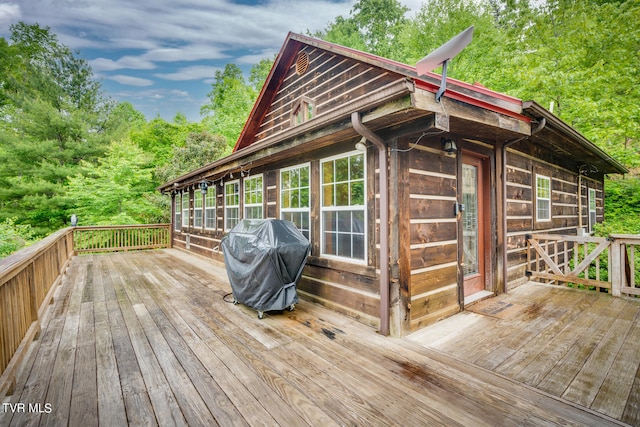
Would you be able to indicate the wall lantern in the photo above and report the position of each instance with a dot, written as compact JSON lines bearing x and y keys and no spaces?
{"x":362,"y":144}
{"x":449,"y":146}
{"x":203,"y":187}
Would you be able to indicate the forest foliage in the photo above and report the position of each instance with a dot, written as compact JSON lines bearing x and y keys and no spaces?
{"x":67,"y":147}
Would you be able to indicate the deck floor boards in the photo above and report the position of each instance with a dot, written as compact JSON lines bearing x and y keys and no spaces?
{"x":146,"y":338}
{"x":579,"y":345}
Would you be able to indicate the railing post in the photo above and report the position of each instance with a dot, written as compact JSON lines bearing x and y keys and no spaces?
{"x":615,"y":268}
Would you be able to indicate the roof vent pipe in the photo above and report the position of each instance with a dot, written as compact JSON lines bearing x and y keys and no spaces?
{"x":383,"y":261}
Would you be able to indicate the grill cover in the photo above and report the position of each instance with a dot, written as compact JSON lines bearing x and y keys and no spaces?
{"x":264,"y":261}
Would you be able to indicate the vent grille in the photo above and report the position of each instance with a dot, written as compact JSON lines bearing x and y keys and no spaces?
{"x":302,"y":63}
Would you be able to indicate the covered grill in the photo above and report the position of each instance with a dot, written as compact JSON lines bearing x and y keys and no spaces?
{"x":264,"y":261}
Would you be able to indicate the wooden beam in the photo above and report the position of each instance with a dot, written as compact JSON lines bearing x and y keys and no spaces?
{"x":425,"y":100}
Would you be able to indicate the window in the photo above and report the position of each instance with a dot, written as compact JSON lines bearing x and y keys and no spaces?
{"x":185,"y":209}
{"x":253,"y":197}
{"x":294,"y":197}
{"x":231,"y":204}
{"x":343,"y":223}
{"x":210,"y":208}
{"x":592,"y":208}
{"x":303,"y":111}
{"x":543,"y":198}
{"x":197,"y":209}
{"x":177,"y":208}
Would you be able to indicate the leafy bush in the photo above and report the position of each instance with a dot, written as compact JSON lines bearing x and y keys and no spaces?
{"x":14,"y":236}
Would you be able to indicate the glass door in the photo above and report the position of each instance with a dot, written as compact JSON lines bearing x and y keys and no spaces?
{"x":473,"y":229}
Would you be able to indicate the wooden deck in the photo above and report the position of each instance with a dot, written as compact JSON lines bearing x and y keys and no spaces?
{"x":582,"y":346}
{"x":145,"y":338}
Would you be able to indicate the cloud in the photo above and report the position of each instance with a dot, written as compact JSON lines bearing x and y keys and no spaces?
{"x":9,"y":14}
{"x":130,"y":80}
{"x":196,"y":72}
{"x":178,"y":42}
{"x":130,"y":62}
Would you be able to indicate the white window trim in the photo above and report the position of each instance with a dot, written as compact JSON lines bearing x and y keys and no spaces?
{"x":297,"y":210}
{"x":324,"y":209}
{"x":548,"y":179}
{"x":592,"y":198}
{"x":211,"y":194}
{"x":177,"y":212}
{"x":185,"y":211}
{"x":197,"y":196}
{"x":226,"y":207}
{"x":308,"y":106}
{"x":253,"y":205}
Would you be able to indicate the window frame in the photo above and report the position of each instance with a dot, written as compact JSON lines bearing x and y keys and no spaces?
{"x":210,"y":195}
{"x":543,"y":199}
{"x":177,"y":212}
{"x":305,"y":105}
{"x":249,"y":190}
{"x":185,"y":209}
{"x":360,"y":208}
{"x":297,"y":210}
{"x":228,"y":206}
{"x":198,"y":209}
{"x":592,"y":199}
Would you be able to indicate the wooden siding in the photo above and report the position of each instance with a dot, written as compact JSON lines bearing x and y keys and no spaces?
{"x":522,"y":169}
{"x":330,"y":81}
{"x":348,"y":288}
{"x":433,"y":235}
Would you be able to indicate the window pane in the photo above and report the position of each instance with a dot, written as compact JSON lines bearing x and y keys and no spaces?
{"x":327,"y":172}
{"x":342,"y":169}
{"x":329,"y":244}
{"x":304,"y":198}
{"x":358,"y":246}
{"x":357,"y":166}
{"x":342,"y":194}
{"x":358,"y":222}
{"x":357,"y":193}
{"x":329,"y":221}
{"x":344,"y":221}
{"x":327,"y":195}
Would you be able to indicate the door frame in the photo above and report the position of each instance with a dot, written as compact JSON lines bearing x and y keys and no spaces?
{"x":485,"y":192}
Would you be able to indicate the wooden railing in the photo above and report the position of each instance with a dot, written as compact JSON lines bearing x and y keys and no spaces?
{"x":29,"y":278}
{"x":593,"y":262}
{"x":27,"y":281}
{"x":121,"y":238}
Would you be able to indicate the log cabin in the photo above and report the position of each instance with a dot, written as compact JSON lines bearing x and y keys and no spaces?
{"x":414,"y":206}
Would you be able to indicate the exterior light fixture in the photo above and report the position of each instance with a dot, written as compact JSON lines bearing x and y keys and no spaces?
{"x":203,"y":187}
{"x":362,"y":144}
{"x":449,"y":145}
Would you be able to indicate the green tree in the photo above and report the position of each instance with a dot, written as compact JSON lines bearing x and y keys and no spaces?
{"x":373,"y":26}
{"x":13,"y":236}
{"x":119,"y":189}
{"x":200,"y":149}
{"x":54,"y":118}
{"x":230,"y":102}
{"x":158,"y":136}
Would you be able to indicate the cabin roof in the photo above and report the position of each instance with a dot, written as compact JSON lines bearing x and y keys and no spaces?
{"x":475,"y":95}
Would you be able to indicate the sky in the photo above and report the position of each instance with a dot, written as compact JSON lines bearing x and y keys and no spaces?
{"x":162,"y":55}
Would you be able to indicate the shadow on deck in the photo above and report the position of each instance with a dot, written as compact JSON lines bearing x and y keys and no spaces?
{"x":145,"y":338}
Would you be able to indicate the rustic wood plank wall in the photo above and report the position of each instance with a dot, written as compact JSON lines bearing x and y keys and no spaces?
{"x":330,"y":81}
{"x":433,"y":236}
{"x":351,"y":289}
{"x":522,"y":170}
